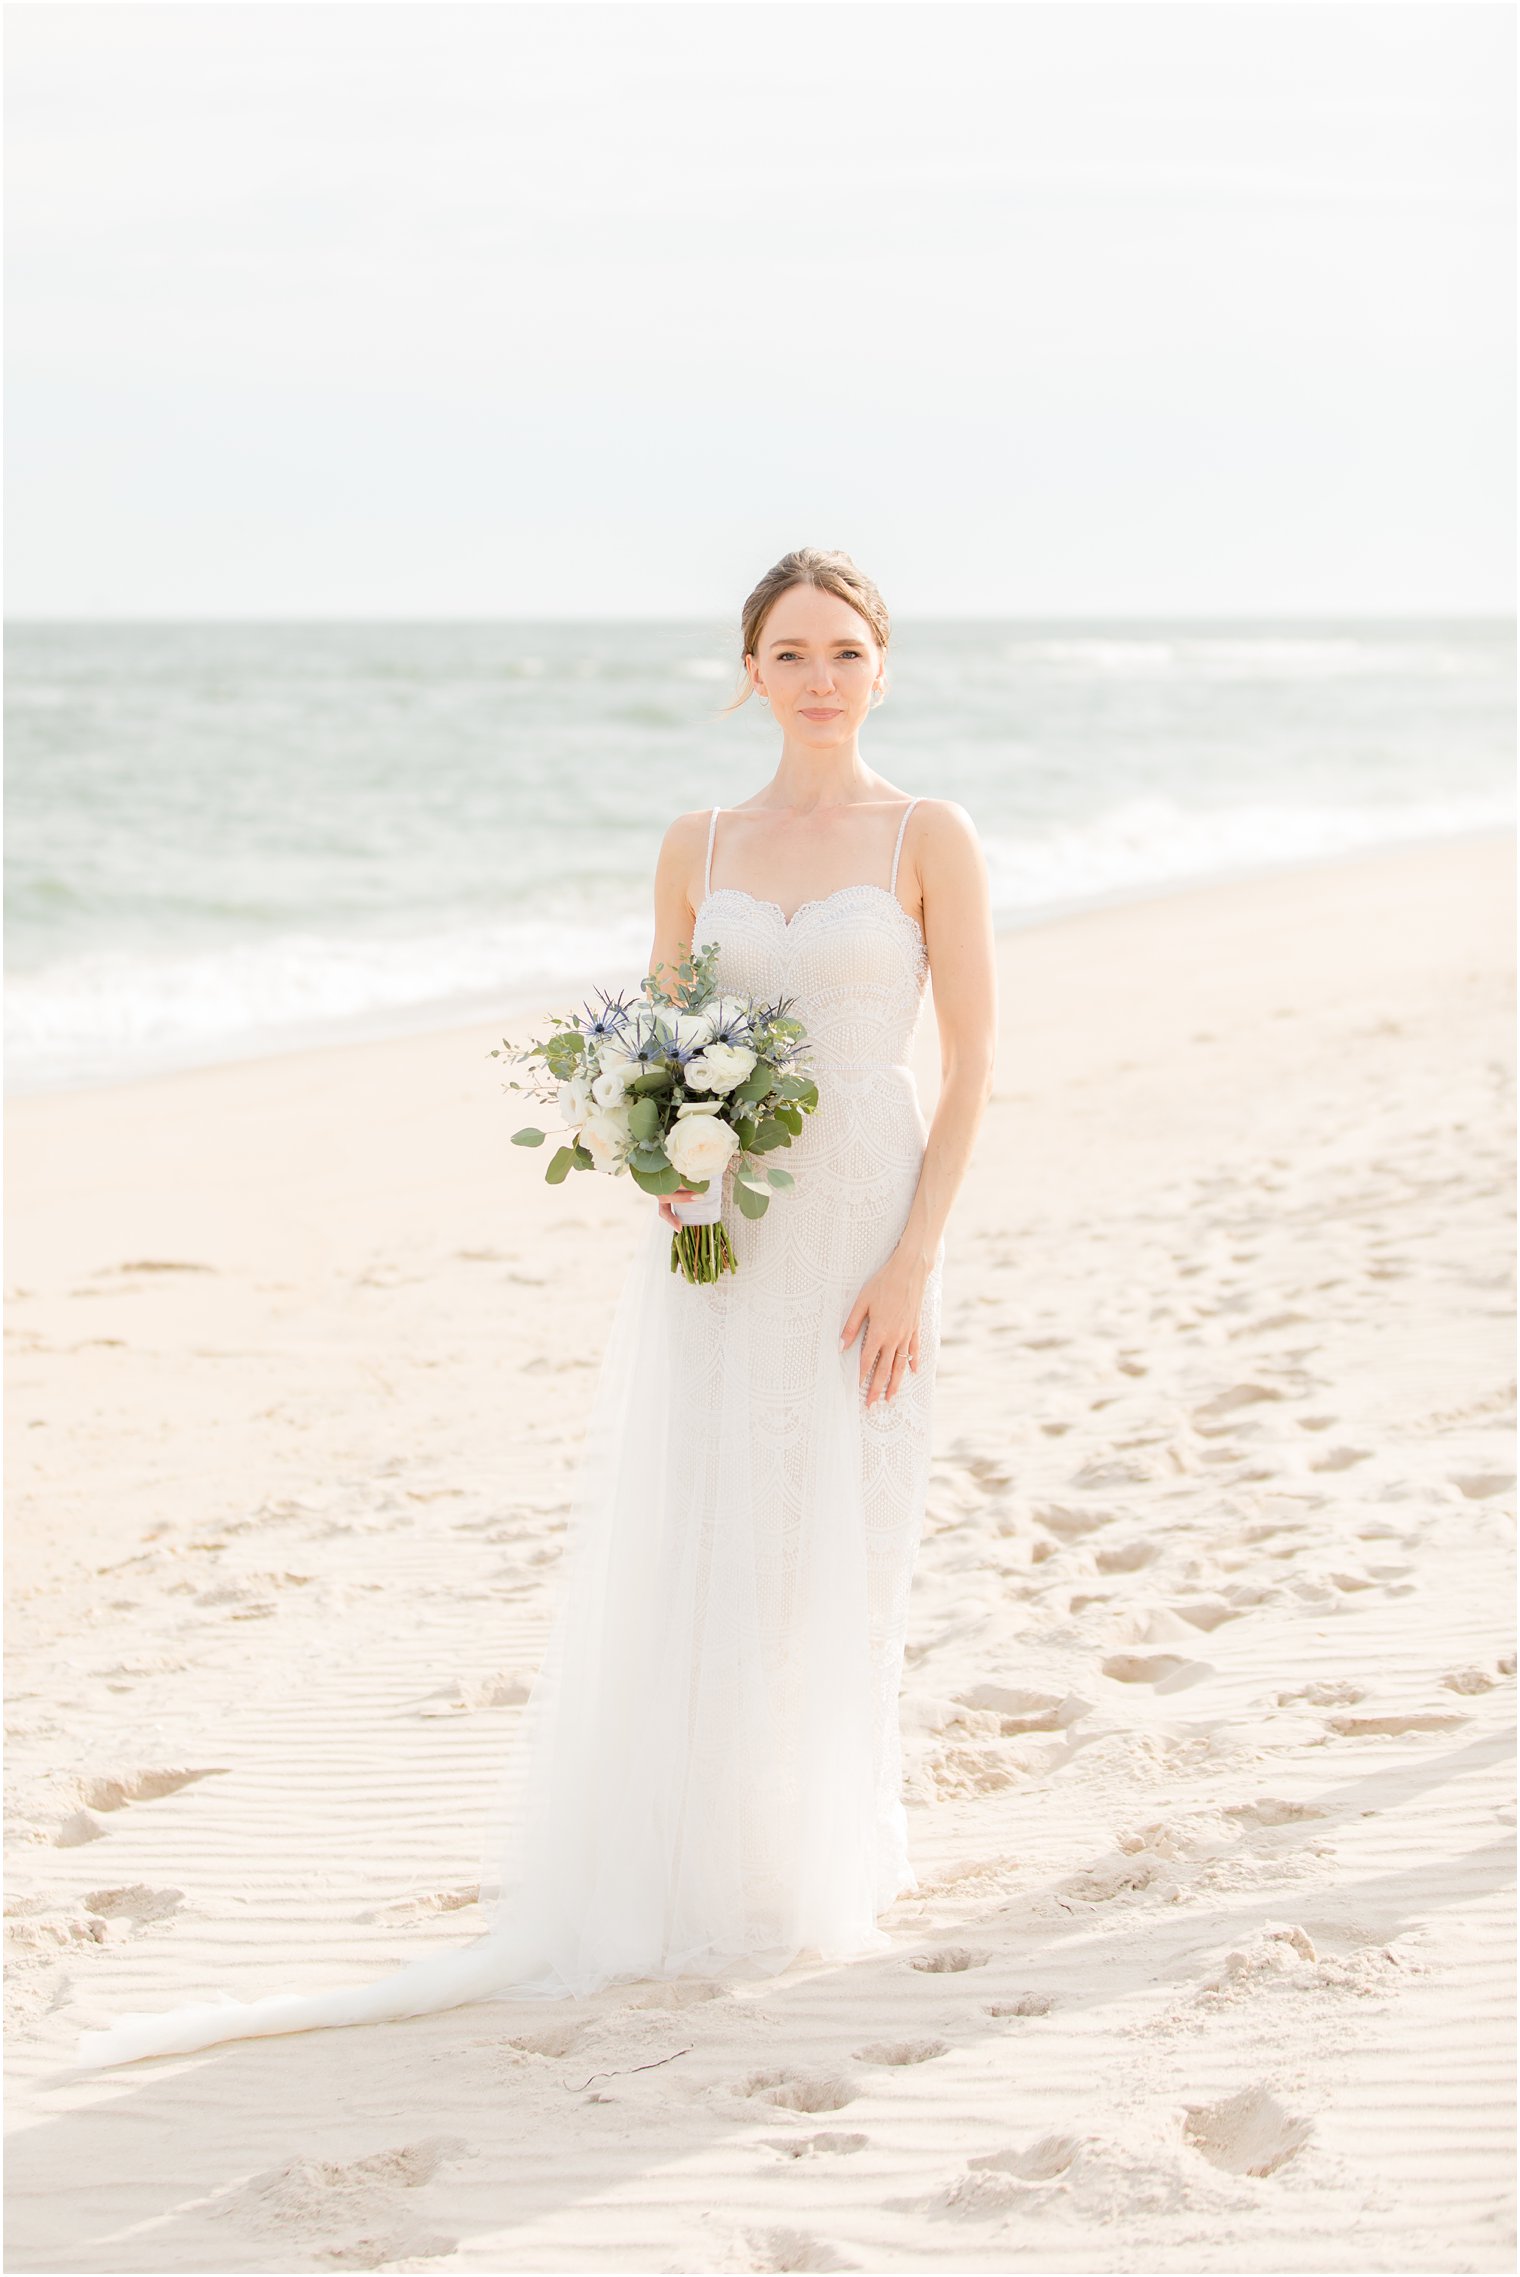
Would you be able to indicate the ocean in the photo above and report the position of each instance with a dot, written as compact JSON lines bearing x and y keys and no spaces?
{"x":229,"y":839}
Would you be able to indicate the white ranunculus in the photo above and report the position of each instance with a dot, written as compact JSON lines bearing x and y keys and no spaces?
{"x":574,"y":1101}
{"x":719,"y":1068}
{"x":605,"y":1137}
{"x":699,"y":1146}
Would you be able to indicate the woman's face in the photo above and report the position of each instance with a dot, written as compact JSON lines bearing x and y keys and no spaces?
{"x":818,"y":664}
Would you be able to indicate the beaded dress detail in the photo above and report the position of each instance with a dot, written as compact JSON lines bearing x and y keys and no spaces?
{"x":707,"y":1775}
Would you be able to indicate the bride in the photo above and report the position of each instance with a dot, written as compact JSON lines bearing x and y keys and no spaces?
{"x":707,"y":1776}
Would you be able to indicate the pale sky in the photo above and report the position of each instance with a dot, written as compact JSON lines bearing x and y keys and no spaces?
{"x":1053,"y":307}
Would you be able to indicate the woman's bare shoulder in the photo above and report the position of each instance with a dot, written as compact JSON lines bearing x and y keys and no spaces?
{"x":942,"y":827}
{"x":682,"y":828}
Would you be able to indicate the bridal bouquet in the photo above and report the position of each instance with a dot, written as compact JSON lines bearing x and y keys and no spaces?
{"x":676,"y":1088}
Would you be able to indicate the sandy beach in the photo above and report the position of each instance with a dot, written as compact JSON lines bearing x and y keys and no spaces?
{"x":1208,"y":1713}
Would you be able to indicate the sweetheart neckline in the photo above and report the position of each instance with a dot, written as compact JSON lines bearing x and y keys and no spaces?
{"x":759,"y":901}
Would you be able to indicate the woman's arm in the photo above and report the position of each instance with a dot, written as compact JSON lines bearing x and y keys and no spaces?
{"x":957,"y":924}
{"x":677,"y":874}
{"x":677,"y":877}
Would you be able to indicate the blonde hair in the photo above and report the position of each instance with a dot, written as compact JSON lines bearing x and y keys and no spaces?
{"x":831,"y":572}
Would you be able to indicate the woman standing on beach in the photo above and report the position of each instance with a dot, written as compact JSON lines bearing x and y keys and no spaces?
{"x":707,"y":1777}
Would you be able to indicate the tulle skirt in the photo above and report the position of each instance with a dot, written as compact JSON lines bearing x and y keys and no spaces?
{"x":706,"y":1775}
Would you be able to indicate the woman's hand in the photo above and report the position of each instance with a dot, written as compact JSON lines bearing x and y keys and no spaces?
{"x":885,"y":1318}
{"x":678,"y":1194}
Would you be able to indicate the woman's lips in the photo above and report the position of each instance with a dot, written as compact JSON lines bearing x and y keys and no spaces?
{"x":809,"y":713}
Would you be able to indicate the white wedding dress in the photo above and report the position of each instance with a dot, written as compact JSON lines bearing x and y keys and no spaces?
{"x":707,"y":1776}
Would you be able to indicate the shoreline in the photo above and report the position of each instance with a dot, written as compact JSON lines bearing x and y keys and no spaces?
{"x":453,"y":1016}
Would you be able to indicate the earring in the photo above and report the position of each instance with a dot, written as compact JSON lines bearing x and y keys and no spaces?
{"x":879,"y":696}
{"x":764,"y":698}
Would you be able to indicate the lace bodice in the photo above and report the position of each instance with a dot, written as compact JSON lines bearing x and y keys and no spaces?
{"x":855,"y":961}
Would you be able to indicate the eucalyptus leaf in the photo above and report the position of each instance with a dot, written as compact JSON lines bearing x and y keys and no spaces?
{"x":559,"y":1167}
{"x":527,"y":1136}
{"x":781,"y":1178}
{"x":653,"y":1181}
{"x":757,"y":1083}
{"x":751,"y":1204}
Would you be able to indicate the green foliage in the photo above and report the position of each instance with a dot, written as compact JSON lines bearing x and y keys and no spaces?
{"x":663,"y":1181}
{"x":527,"y":1136}
{"x":644,"y":1119}
{"x":757,"y":1084}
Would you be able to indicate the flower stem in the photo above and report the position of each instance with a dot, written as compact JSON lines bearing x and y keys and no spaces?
{"x":702,"y":1252}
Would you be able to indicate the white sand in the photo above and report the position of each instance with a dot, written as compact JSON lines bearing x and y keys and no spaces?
{"x":1210,"y":1690}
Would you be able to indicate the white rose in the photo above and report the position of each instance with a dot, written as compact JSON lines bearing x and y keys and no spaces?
{"x":615,"y":1073}
{"x":690,"y":1028}
{"x":574,"y":1101}
{"x":699,"y":1146}
{"x":719,"y":1068}
{"x":606,"y":1139}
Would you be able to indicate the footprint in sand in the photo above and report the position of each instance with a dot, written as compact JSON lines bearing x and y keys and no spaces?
{"x":781,"y":2249}
{"x":429,"y":1901}
{"x":159,"y":1265}
{"x":348,"y":2216}
{"x":1324,"y":1695}
{"x":555,"y":2041}
{"x":1215,"y":1416}
{"x":1072,"y":1524}
{"x":142,"y":1787}
{"x":828,"y":2145}
{"x":897,"y":2052}
{"x":1248,"y":2133}
{"x":1479,"y":1486}
{"x":1341,"y":1459}
{"x":1117,"y":1878}
{"x":1043,"y":2161}
{"x":82,"y":1826}
{"x":508,"y":1689}
{"x":1207,"y":1613}
{"x":1167,"y":1671}
{"x":134,"y":1902}
{"x":949,"y":1960}
{"x":1024,"y":2004}
{"x":800,"y":2091}
{"x":690,"y":1992}
{"x":1272,"y":1810}
{"x":997,"y":2182}
{"x":1394,"y":1726}
{"x":1127,"y":1557}
{"x":1469,"y":1680}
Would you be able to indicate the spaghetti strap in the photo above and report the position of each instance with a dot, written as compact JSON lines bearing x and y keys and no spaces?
{"x":711,"y":828}
{"x":897,"y":854}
